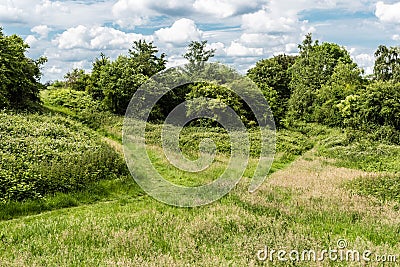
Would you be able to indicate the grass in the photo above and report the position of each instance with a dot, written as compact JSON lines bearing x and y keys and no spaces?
{"x":382,"y":187}
{"x":142,"y":231}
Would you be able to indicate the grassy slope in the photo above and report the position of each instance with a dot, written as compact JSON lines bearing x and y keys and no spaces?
{"x":302,"y":205}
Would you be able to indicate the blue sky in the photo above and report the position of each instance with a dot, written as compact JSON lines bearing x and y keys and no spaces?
{"x":72,"y":33}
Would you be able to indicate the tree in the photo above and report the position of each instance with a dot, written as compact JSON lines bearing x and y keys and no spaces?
{"x":197,"y":53}
{"x":114,"y":83}
{"x":119,"y":81}
{"x":77,"y":79}
{"x":145,"y":60}
{"x":387,"y":64}
{"x":273,"y":77}
{"x":346,"y":80}
{"x":312,"y":69}
{"x":377,"y":105}
{"x":98,"y":66}
{"x":19,"y":75}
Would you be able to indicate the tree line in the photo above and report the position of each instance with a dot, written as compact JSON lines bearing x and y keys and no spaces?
{"x":321,"y":84}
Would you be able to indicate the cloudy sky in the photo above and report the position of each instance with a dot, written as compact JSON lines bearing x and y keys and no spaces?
{"x":72,"y":33}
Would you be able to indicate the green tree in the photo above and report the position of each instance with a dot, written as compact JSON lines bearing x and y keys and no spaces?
{"x":346,"y":80}
{"x":116,"y":82}
{"x":375,"y":106}
{"x":77,"y":79}
{"x":273,"y":77}
{"x":145,"y":60}
{"x":19,"y":75}
{"x":312,"y":69}
{"x":119,"y":81}
{"x":387,"y":64}
{"x":98,"y":66}
{"x":197,"y":53}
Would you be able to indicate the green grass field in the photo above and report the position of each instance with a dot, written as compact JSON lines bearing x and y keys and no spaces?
{"x":322,"y":188}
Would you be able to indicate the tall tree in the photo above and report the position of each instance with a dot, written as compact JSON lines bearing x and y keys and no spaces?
{"x":387,"y":64}
{"x":197,"y":53}
{"x":273,"y":77}
{"x":76,"y":79}
{"x":144,"y":58}
{"x":312,"y":69}
{"x":19,"y":75}
{"x":98,"y":66}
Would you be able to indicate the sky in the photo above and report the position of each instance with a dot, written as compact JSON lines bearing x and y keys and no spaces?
{"x":73,"y":33}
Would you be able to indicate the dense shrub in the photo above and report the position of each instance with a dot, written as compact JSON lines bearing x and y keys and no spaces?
{"x":75,"y":100}
{"x":43,"y":154}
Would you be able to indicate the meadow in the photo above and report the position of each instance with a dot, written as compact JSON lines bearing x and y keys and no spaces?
{"x":325,"y":185}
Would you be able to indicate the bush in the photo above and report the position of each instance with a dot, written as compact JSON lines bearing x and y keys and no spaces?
{"x":43,"y":154}
{"x":77,"y":101}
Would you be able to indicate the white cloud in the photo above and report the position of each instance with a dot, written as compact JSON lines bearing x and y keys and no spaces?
{"x":54,"y":70}
{"x":131,"y":13}
{"x":218,"y":46}
{"x":262,"y":39}
{"x":74,"y":38}
{"x":389,"y":13}
{"x":291,"y":48}
{"x":42,"y":30}
{"x":396,"y":37}
{"x":47,"y":6}
{"x":31,"y":40}
{"x":181,"y":32}
{"x":262,"y":22}
{"x":176,"y":60}
{"x":97,"y":38}
{"x":238,"y":50}
{"x":223,"y":8}
{"x":363,"y":60}
{"x":106,"y":38}
{"x":9,"y":13}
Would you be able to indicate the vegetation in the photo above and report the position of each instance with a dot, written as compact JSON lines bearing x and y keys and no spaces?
{"x":19,"y":75}
{"x":42,"y":155}
{"x":335,"y":174}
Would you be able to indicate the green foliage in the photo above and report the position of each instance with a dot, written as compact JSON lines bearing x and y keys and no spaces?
{"x":215,"y":97}
{"x":312,"y":69}
{"x":273,"y":77}
{"x":197,"y":53}
{"x":77,"y":80}
{"x":345,"y":81}
{"x":44,"y":154}
{"x":77,"y":101}
{"x":387,"y":64}
{"x":98,"y":66}
{"x":114,"y":83}
{"x":376,"y":105}
{"x":145,"y":60}
{"x":119,"y":81}
{"x":19,"y":75}
{"x":384,"y":187}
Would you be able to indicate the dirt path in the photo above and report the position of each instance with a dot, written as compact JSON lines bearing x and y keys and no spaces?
{"x":114,"y":144}
{"x":313,"y":178}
